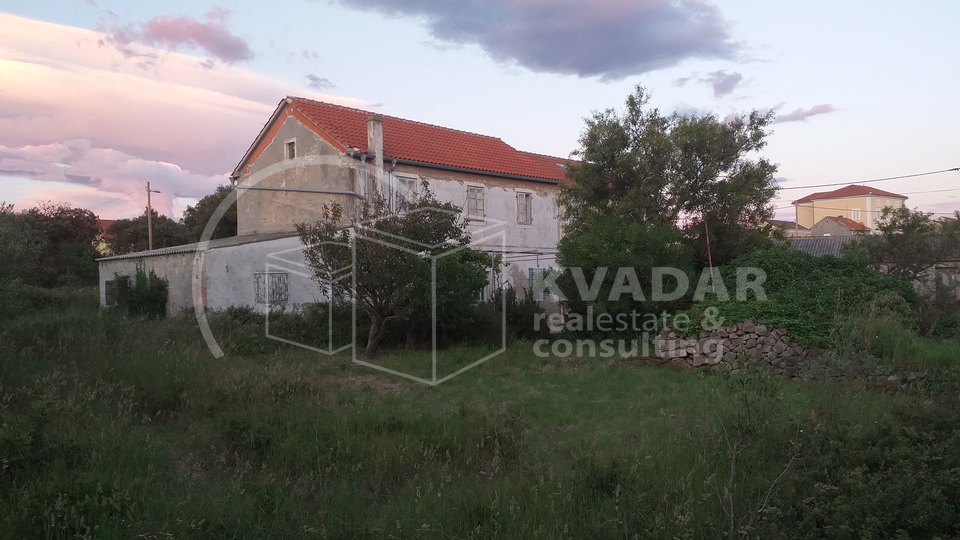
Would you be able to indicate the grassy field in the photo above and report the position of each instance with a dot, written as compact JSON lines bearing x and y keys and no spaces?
{"x":115,"y":427}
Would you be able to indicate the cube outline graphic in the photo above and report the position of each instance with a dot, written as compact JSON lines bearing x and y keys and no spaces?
{"x":489,"y":223}
{"x":338,"y":275}
{"x":199,"y":263}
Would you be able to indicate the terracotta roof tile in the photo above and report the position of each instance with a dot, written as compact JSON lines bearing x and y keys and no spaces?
{"x":848,"y":223}
{"x":427,"y":143}
{"x":847,"y":191}
{"x":105,"y":224}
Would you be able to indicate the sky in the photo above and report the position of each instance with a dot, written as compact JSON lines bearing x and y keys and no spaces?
{"x":98,"y":97}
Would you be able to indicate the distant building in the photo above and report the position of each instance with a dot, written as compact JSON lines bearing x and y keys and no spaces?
{"x":838,"y":226}
{"x":857,"y":203}
{"x":791,"y":228}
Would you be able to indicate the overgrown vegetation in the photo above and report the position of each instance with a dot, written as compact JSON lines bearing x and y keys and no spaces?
{"x":144,"y":295}
{"x":116,"y":426}
{"x":329,"y":326}
{"x":409,"y":267}
{"x":811,"y":297}
{"x":48,"y":245}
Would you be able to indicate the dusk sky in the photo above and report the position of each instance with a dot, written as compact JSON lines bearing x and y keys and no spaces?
{"x":98,"y":97}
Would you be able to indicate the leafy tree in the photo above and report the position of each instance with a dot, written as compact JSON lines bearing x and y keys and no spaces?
{"x":69,"y":255}
{"x":648,"y":187}
{"x":395,"y":284}
{"x":21,"y":246}
{"x":130,"y":235}
{"x":909,"y":243}
{"x":196,"y":217}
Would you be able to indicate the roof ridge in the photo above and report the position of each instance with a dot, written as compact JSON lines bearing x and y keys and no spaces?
{"x":544,"y":155}
{"x":404,"y":119}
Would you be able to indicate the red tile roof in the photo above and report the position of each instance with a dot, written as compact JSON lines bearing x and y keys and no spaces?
{"x":427,"y":143}
{"x":847,"y":191}
{"x":105,"y":224}
{"x":849,"y":223}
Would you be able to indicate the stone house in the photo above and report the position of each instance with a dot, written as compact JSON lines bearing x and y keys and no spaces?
{"x":838,"y":226}
{"x":310,"y":153}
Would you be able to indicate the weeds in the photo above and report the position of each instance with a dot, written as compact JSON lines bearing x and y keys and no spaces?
{"x":114,"y":426}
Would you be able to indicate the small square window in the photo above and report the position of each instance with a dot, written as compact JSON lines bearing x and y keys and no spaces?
{"x":271,"y":287}
{"x":524,"y":208}
{"x":855,"y":213}
{"x":290,"y":150}
{"x":475,"y":203}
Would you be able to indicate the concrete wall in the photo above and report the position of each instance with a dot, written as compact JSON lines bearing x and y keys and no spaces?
{"x":829,"y":227}
{"x":271,"y":211}
{"x":176,"y":268}
{"x":526,"y":246}
{"x":228,"y":276}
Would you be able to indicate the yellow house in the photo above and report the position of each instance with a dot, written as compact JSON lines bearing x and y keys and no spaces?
{"x":858,"y":203}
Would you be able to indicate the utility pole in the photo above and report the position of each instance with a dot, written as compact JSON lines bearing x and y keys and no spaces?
{"x":713,"y":282}
{"x":149,"y":218}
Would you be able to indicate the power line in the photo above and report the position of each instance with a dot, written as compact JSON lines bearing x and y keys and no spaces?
{"x":908,"y":193}
{"x":931,"y":191}
{"x":113,"y":200}
{"x":862,"y":210}
{"x":872,"y":181}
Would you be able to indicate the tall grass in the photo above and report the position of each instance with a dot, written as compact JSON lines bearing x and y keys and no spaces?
{"x":122,"y":427}
{"x":888,"y":335}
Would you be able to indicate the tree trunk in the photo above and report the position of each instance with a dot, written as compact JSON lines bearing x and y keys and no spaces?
{"x":378,"y":329}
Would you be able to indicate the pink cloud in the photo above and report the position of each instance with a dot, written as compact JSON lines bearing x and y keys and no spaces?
{"x":212,"y":36}
{"x":70,"y":106}
{"x":109,"y":172}
{"x":800,"y":115}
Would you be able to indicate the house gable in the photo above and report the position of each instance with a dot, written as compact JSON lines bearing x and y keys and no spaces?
{"x":277,"y":201}
{"x":269,"y":132}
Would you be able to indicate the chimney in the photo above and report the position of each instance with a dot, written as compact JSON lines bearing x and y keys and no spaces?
{"x":375,"y":147}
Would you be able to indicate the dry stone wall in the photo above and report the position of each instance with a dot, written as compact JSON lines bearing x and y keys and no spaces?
{"x":732,"y":345}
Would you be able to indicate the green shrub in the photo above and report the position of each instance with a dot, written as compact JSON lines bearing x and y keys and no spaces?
{"x":896,"y":479}
{"x":808,"y":295}
{"x":146,"y":295}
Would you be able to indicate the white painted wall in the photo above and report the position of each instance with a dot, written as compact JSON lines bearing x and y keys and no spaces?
{"x":227,"y":276}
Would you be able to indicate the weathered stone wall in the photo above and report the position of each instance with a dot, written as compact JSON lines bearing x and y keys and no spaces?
{"x":733,"y":344}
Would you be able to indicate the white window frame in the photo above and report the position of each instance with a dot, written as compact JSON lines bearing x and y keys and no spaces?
{"x":475,"y":206}
{"x":406,"y":188}
{"x":854,"y":213}
{"x":524,"y":208}
{"x":288,"y":145}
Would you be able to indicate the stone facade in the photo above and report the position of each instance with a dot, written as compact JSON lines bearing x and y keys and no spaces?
{"x":731,"y":345}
